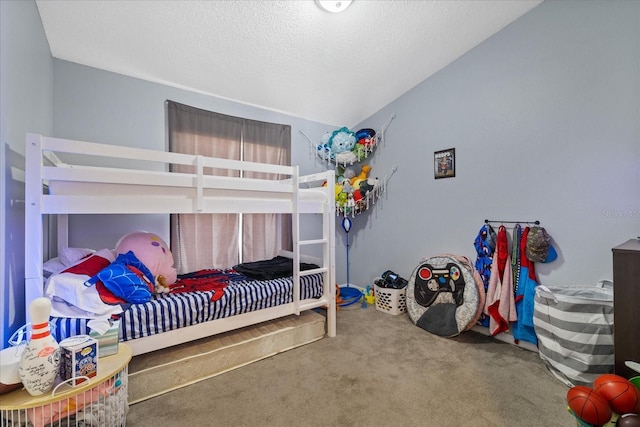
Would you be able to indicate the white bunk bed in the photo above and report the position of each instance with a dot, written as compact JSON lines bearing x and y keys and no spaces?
{"x":79,"y":186}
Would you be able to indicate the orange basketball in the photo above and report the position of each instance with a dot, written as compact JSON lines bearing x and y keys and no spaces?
{"x":618,"y":391}
{"x":588,"y":405}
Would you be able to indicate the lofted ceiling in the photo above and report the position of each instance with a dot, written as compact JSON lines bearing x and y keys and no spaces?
{"x":283,"y":55}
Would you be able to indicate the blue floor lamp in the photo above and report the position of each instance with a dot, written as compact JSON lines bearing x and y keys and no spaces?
{"x":349,"y":295}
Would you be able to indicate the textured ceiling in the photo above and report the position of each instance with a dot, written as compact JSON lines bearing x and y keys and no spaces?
{"x":287,"y":56}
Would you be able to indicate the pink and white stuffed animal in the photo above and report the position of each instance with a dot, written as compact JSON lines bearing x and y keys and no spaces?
{"x":154,"y":253}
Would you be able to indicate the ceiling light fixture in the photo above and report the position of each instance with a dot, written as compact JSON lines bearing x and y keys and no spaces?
{"x":333,"y":6}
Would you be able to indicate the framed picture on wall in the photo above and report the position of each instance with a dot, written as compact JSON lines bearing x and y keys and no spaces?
{"x":444,"y":163}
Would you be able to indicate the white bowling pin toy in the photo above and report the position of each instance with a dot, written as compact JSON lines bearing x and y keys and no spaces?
{"x":40,"y":362}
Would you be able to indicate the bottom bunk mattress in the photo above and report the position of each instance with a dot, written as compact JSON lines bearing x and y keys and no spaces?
{"x":234,"y":294}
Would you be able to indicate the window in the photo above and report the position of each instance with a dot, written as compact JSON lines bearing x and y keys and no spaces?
{"x":200,"y":241}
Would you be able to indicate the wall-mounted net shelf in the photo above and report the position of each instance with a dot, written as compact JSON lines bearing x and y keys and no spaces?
{"x":353,"y":207}
{"x":343,"y":147}
{"x":356,"y":188}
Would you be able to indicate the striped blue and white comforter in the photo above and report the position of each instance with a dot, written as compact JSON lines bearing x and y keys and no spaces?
{"x":167,"y":312}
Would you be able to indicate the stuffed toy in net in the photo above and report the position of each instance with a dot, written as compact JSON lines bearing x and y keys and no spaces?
{"x":342,"y":140}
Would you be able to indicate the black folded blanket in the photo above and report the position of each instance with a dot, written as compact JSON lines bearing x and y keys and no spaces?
{"x":270,"y":268}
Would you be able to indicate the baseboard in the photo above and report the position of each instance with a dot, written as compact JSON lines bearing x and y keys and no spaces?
{"x":505,"y":337}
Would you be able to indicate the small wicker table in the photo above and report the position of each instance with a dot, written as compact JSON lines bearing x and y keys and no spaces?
{"x":101,"y":400}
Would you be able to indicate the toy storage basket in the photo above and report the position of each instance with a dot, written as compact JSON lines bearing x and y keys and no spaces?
{"x":574,"y":325}
{"x":392,"y":301}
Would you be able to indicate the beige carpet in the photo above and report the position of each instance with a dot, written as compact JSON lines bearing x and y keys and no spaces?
{"x":380,"y":370}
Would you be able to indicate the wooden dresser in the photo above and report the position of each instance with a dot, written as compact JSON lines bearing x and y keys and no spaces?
{"x":626,"y":305}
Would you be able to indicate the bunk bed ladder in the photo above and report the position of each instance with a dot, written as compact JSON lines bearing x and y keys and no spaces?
{"x":328,"y":254}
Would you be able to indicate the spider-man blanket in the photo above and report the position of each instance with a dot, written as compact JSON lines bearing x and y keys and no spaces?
{"x":206,"y":280}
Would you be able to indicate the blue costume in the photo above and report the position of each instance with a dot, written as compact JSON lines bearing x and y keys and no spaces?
{"x":485,"y":244}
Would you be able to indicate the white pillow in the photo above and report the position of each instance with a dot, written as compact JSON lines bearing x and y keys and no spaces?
{"x":70,"y":256}
{"x":53,"y":266}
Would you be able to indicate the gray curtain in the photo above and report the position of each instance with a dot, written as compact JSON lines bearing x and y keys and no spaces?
{"x":201,"y":241}
{"x":265,"y":143}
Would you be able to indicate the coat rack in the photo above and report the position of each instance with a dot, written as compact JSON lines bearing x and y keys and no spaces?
{"x":487,"y":221}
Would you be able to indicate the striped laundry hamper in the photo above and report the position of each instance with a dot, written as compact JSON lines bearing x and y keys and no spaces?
{"x":574,"y":325}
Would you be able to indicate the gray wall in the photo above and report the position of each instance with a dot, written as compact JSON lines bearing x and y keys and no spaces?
{"x":545,"y":120}
{"x":543,"y":116}
{"x":99,"y":106}
{"x":26,"y":82}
